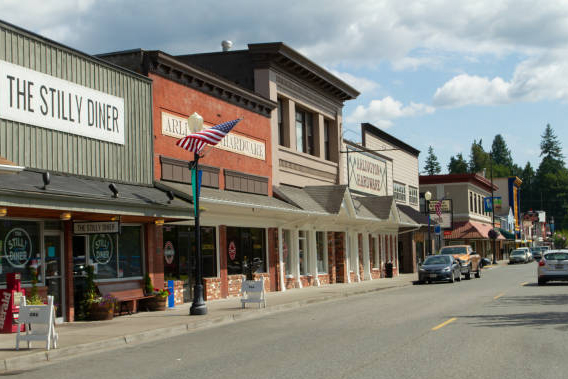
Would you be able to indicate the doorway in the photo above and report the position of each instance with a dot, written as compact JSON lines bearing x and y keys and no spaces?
{"x":54,"y":269}
{"x":79,"y":273}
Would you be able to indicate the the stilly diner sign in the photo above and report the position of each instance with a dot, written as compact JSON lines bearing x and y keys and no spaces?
{"x":175,"y":126}
{"x":34,"y":98}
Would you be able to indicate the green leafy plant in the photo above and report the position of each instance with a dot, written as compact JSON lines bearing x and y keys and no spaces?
{"x":34,"y":298}
{"x":162,"y":294}
{"x":148,"y":286}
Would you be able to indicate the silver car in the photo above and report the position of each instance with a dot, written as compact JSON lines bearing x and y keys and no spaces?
{"x":553,"y":266}
{"x":518,"y":256}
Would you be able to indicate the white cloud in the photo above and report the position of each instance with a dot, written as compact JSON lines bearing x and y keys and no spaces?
{"x":382,"y":112}
{"x":535,"y":79}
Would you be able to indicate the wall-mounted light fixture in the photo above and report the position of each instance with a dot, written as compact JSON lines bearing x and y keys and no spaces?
{"x":46,"y":180}
{"x":65,"y":216}
{"x":3,"y":212}
{"x":159,"y":221}
{"x":170,"y":196}
{"x":114,"y":190}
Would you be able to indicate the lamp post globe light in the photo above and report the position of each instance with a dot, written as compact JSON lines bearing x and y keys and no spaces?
{"x":427,"y":197}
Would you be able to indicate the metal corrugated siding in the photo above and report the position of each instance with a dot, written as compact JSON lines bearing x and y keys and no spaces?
{"x":36,"y":147}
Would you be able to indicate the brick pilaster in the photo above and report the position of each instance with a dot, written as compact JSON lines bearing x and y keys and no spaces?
{"x":223,"y":261}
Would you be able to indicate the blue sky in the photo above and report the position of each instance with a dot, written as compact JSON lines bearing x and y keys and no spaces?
{"x":440,"y":72}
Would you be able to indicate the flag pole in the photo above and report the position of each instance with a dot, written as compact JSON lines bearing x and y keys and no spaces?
{"x":198,"y":307}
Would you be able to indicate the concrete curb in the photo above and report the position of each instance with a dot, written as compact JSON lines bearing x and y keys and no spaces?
{"x":33,"y":360}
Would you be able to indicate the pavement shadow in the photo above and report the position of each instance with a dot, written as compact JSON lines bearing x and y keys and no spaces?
{"x":532,"y":319}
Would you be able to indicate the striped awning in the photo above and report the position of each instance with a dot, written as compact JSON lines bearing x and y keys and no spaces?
{"x":471,"y":230}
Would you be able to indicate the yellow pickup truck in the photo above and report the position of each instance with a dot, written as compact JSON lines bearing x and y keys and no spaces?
{"x":469,"y":259}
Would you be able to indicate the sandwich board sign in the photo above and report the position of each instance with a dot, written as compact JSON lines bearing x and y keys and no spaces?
{"x":252,"y":291}
{"x":39,"y":324}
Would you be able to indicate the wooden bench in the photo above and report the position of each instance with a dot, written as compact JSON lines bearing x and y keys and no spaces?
{"x":126,"y":293}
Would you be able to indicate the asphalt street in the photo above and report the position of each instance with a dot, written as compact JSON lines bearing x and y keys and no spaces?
{"x":500,"y":326}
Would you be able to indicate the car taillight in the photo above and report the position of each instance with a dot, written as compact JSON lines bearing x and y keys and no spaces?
{"x":541,"y":262}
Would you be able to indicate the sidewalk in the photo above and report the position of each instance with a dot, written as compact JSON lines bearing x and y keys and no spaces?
{"x":85,"y":337}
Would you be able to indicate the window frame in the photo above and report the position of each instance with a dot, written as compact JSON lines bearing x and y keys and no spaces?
{"x":399,"y":195}
{"x":323,"y":245}
{"x":305,"y":134}
{"x":412,"y":199}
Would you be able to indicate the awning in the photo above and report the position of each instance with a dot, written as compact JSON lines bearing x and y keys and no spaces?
{"x":508,"y":235}
{"x":87,"y":195}
{"x":470,"y":230}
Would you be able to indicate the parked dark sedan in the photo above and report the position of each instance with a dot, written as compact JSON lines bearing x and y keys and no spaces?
{"x":439,"y":267}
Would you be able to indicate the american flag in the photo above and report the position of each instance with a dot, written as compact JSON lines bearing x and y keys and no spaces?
{"x":196,"y":142}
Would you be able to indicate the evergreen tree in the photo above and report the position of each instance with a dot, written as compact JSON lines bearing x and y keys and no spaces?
{"x":528,"y":177}
{"x":551,"y":184}
{"x":549,"y":145}
{"x":500,"y":153}
{"x":457,"y":165}
{"x":478,"y":158}
{"x":432,"y":166}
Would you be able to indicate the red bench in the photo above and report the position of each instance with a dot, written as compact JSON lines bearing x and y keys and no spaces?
{"x":126,"y":293}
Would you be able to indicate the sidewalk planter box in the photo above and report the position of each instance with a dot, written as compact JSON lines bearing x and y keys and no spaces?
{"x":155,"y":303}
{"x":101,"y":312}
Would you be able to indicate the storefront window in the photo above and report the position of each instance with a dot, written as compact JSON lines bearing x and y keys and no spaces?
{"x":287,"y":250}
{"x":303,"y":252}
{"x":321,"y":246}
{"x":20,"y":249}
{"x":116,"y":256}
{"x":102,"y":255}
{"x":179,"y":243}
{"x":245,"y":245}
{"x":130,"y":252}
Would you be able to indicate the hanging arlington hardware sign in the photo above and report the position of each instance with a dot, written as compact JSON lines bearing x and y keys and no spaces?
{"x":367,"y":172}
{"x":175,"y":126}
{"x":38,"y":99}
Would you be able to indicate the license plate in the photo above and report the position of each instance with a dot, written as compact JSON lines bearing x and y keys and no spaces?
{"x":559,"y":267}
{"x":433,"y":275}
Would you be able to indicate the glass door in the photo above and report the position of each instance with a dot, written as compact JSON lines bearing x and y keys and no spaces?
{"x":54,"y":270}
{"x":79,"y":274}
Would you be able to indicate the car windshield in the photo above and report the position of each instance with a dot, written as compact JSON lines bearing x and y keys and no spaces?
{"x":518,"y":252}
{"x":453,"y":250}
{"x":437,"y":260}
{"x":558,"y":256}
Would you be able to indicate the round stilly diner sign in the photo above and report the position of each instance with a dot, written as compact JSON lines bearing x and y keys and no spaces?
{"x":232,"y":251}
{"x":169,"y":252}
{"x":17,"y":247}
{"x":102,"y":248}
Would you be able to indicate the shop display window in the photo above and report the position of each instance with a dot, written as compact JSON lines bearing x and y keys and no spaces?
{"x":245,"y":245}
{"x":303,"y":251}
{"x":179,"y":251}
{"x":117,"y":256}
{"x":20,"y":248}
{"x":287,"y":250}
{"x":321,"y":246}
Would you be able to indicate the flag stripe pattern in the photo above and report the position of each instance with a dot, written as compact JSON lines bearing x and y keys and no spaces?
{"x":196,"y":142}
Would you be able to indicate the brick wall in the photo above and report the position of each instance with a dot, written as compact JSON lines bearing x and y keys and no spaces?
{"x":308,"y":280}
{"x":291,"y":282}
{"x":324,"y":279}
{"x":376,"y":273}
{"x":212,"y":288}
{"x":353,"y":277}
{"x":234,"y":283}
{"x":178,"y":291}
{"x":266,"y":277}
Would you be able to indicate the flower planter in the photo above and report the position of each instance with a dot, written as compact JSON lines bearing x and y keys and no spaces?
{"x":100,"y":312}
{"x":155,"y":303}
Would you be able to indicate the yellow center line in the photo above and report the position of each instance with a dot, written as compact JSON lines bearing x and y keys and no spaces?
{"x":524,"y":283}
{"x":444,"y":323}
{"x":498,"y":296}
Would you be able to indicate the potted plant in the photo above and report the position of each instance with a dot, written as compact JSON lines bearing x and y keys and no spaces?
{"x":101,"y":307}
{"x":159,"y":301}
